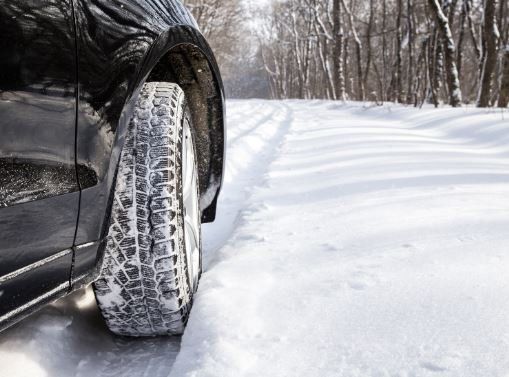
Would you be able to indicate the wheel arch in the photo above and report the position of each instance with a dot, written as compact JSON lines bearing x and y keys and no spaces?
{"x":182,"y":56}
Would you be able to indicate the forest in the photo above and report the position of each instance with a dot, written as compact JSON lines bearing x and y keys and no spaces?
{"x":407,"y":51}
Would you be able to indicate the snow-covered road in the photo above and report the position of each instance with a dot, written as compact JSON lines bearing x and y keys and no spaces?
{"x":351,"y":241}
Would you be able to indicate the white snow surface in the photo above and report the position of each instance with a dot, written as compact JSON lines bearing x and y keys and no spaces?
{"x":351,"y":240}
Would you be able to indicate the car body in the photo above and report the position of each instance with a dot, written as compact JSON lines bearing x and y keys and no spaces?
{"x":70,"y":72}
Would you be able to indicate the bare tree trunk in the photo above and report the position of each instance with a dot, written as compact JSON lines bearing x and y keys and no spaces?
{"x":503,"y":99}
{"x":410,"y":74}
{"x":461,"y":38}
{"x":322,"y":46}
{"x":384,"y":50}
{"x":451,"y":9}
{"x":322,"y":50}
{"x":435,"y":66}
{"x":346,"y":60}
{"x":475,"y":41}
{"x":270,"y":73}
{"x":398,"y":87}
{"x":307,"y":59}
{"x":358,"y":52}
{"x":490,"y":40}
{"x":339,"y":74}
{"x":368,"y":42}
{"x":307,"y":65}
{"x":421,"y":67}
{"x":298,"y":57}
{"x":429,"y":92}
{"x":453,"y":82}
{"x":380,"y":96}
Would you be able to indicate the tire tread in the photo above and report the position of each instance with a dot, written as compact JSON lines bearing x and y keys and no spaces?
{"x":144,"y":289}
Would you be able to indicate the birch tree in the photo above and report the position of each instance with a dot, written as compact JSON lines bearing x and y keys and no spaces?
{"x":453,"y":82}
{"x":339,"y":73}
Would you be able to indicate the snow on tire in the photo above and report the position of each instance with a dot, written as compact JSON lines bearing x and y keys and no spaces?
{"x":149,"y":275}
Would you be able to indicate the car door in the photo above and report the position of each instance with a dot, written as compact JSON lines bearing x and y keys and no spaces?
{"x":39,"y":193}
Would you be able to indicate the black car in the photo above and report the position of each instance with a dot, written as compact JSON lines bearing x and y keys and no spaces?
{"x":111,"y":156}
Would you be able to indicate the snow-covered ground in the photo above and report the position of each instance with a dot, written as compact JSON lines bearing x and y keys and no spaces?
{"x":351,"y":241}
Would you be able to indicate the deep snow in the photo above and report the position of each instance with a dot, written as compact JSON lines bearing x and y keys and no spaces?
{"x":351,"y":241}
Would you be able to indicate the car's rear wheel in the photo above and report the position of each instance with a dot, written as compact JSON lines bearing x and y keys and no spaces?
{"x":152,"y":261}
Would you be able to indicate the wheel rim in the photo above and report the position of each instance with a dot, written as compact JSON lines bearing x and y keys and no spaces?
{"x":191,"y":207}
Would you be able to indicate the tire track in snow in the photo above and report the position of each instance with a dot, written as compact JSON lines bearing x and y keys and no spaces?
{"x":249,"y":154}
{"x":249,"y":128}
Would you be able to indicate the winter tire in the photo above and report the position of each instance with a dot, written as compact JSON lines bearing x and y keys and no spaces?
{"x":152,"y":261}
